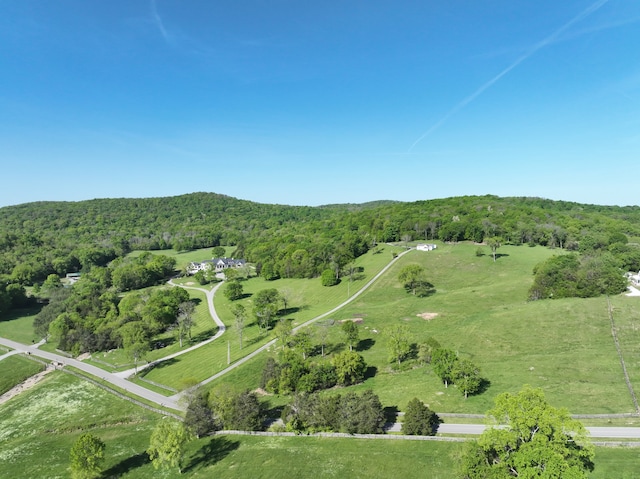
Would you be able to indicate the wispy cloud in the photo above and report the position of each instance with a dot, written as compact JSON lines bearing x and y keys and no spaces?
{"x":158,"y":22}
{"x":531,"y":51}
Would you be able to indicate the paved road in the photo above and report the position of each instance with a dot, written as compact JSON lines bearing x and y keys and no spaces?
{"x":477,"y":429}
{"x":95,"y":371}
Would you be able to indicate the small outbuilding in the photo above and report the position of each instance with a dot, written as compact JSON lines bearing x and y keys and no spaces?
{"x":426,"y":247}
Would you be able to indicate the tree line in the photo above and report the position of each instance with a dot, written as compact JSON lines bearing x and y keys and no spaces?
{"x":44,"y":238}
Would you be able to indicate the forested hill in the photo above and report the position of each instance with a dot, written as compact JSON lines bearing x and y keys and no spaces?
{"x":38,"y":239}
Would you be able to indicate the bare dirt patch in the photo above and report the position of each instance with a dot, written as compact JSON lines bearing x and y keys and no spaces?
{"x":24,"y":385}
{"x":190,"y":283}
{"x":427,"y":316}
{"x":353,"y":320}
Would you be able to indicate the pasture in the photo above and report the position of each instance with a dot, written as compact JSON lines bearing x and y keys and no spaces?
{"x":563,"y":346}
{"x":36,"y":443}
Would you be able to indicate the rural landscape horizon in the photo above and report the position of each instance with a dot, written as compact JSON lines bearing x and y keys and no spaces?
{"x":319,"y":240}
{"x":140,"y":335}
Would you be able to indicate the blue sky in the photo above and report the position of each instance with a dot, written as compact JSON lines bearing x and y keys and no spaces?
{"x":311,"y":103}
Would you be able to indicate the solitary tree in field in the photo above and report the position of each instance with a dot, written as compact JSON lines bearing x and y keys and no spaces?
{"x":534,"y":440}
{"x":411,"y":276}
{"x":185,"y":321}
{"x":351,"y":332}
{"x":87,"y":456}
{"x":398,"y":342}
{"x":166,"y":446}
{"x":234,"y":290}
{"x":494,"y":243}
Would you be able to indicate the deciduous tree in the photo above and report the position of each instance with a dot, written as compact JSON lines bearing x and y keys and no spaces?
{"x":239,"y":313}
{"x":398,"y":342}
{"x":351,"y":332}
{"x":411,"y":276}
{"x":494,"y":243}
{"x":466,"y":377}
{"x":350,"y":367}
{"x":233,"y":290}
{"x":87,"y":456}
{"x":534,"y":439}
{"x":166,"y":446}
{"x":443,"y":362}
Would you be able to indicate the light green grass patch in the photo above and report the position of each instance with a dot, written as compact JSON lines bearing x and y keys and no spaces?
{"x":17,"y":325}
{"x":15,"y":369}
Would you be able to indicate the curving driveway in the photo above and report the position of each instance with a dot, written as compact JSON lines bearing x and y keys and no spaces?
{"x":221,"y":329}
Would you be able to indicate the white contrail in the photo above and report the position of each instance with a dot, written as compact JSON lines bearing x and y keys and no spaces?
{"x":550,"y":39}
{"x":158,"y":21}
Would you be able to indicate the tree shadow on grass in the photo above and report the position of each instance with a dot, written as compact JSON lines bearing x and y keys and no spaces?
{"x":159,"y":365}
{"x":292,"y":310}
{"x":163,"y":343}
{"x":484,"y":385}
{"x":203,"y":336}
{"x":126,"y":465}
{"x":370,"y":372}
{"x":365,"y":344}
{"x":214,"y":450}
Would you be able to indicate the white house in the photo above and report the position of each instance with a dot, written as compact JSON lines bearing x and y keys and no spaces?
{"x":215,"y":264}
{"x":426,"y":247}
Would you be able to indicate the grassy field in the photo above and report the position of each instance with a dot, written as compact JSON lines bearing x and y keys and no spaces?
{"x":15,"y":369}
{"x":38,"y":428}
{"x":562,"y":346}
{"x":17,"y":325}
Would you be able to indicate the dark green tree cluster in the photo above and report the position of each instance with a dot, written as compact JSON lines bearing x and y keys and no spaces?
{"x":90,"y":316}
{"x":570,"y":275}
{"x":419,"y":420}
{"x":223,"y":408}
{"x":141,"y":271}
{"x":12,"y":296}
{"x":351,"y":413}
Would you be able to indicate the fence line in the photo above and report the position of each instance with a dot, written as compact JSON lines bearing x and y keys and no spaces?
{"x":122,"y":396}
{"x":624,"y":366}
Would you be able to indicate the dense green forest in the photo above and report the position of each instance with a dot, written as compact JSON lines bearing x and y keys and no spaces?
{"x":45,"y":238}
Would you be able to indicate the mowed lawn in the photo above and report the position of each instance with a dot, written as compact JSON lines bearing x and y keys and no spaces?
{"x":17,"y":325}
{"x":562,"y":346}
{"x":15,"y":369}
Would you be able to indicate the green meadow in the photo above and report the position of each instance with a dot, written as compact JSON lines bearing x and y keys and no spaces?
{"x":481,"y":311}
{"x":38,"y":428}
